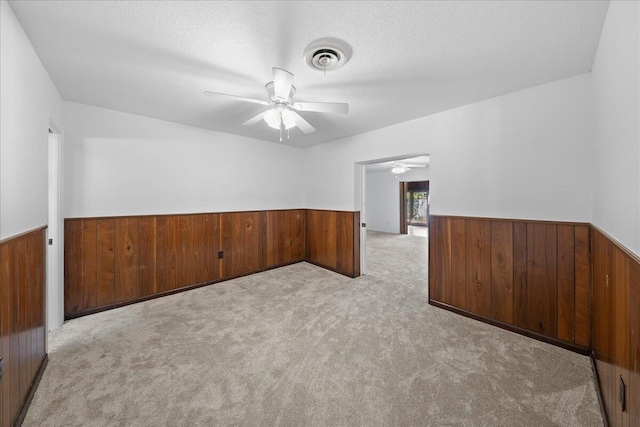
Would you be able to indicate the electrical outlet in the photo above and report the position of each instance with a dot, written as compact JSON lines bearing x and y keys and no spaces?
{"x":621,"y":394}
{"x":220,"y":254}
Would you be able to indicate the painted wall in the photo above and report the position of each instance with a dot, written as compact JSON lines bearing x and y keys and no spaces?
{"x":122,"y":164}
{"x":383,"y":195}
{"x":616,"y":82}
{"x":521,"y":155}
{"x":29,"y":98}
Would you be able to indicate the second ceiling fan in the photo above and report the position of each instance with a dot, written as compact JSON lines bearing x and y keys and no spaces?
{"x":281,"y":115}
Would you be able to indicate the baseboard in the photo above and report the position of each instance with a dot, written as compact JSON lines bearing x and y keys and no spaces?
{"x":32,"y":391}
{"x":512,"y":328}
{"x":169,"y":292}
{"x":603,"y":409}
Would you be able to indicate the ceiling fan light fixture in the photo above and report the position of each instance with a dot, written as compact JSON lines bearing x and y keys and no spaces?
{"x":398,"y":169}
{"x":272,"y":117}
{"x":288,"y":120}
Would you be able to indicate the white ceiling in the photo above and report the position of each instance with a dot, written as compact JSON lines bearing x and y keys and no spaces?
{"x":410,"y":59}
{"x":411,"y":162}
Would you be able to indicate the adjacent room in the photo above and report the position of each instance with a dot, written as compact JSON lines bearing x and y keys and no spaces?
{"x":289,"y":213}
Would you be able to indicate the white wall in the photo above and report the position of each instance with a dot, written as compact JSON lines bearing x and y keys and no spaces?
{"x":616,"y":81}
{"x":521,"y":155}
{"x":29,"y":99}
{"x":383,"y":198}
{"x":122,"y":164}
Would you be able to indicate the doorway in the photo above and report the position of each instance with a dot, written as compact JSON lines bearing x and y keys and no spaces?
{"x":55,"y":271}
{"x":414,"y":208}
{"x":377,"y":194}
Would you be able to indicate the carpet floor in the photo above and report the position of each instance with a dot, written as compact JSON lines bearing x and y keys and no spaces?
{"x":303,"y":346}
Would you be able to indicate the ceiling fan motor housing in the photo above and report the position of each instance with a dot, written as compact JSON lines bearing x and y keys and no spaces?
{"x":327,"y":54}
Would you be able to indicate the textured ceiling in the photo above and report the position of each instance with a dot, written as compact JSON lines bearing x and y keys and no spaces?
{"x":410,"y":59}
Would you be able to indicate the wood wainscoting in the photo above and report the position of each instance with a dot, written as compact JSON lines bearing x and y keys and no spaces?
{"x":22,"y":321}
{"x":616,"y":325}
{"x":114,"y":261}
{"x":333,"y":240}
{"x":532,"y":277}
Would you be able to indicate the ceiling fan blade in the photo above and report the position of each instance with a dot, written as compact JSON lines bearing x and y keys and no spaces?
{"x":416,"y":166}
{"x":234,"y":97}
{"x":282,"y":81}
{"x":252,"y":121}
{"x":303,"y":124}
{"x":323,"y":107}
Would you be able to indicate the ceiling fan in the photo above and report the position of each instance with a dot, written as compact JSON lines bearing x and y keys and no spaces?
{"x":281,"y":115}
{"x":399,"y":167}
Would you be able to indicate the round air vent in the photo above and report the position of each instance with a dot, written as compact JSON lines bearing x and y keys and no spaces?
{"x":327,"y":54}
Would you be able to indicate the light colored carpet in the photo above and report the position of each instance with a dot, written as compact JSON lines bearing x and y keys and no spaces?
{"x":302,"y":346}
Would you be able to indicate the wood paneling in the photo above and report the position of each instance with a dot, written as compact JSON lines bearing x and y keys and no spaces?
{"x":331,"y":239}
{"x":528,"y":276}
{"x":566,"y":283}
{"x":22,"y":318}
{"x":542,"y":284}
{"x":502,"y":271}
{"x":127,"y":254}
{"x":105,"y":262}
{"x":583,"y":286}
{"x":520,"y":274}
{"x":111,"y":261}
{"x":616,"y":283}
{"x":478,"y":267}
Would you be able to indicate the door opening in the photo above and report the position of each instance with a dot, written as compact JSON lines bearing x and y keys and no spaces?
{"x":414,"y":207}
{"x":55,"y":273}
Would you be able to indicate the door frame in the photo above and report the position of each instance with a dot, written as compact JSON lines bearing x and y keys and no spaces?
{"x":55,"y":223}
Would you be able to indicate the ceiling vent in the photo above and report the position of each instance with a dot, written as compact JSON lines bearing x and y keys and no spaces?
{"x":327,"y":54}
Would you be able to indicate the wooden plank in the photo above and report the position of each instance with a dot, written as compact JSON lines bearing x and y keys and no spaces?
{"x":18,"y":346}
{"x":197,"y":249}
{"x":444,"y":260}
{"x":251,"y":240}
{"x":458,"y":265}
{"x":40,"y":299}
{"x":273,"y":235}
{"x":566,"y":283}
{"x":232,"y":232}
{"x":602,"y":320}
{"x":173,"y":252}
{"x":73,"y":290}
{"x":186,"y":247}
{"x":211,"y":247}
{"x":520,"y":274}
{"x":260,"y":225}
{"x":90,"y":263}
{"x":7,"y":314}
{"x":105,"y":261}
{"x":435,"y":279}
{"x":161,"y":254}
{"x":329,"y":239}
{"x":542,"y":291}
{"x":620,"y":332}
{"x":478,"y":267}
{"x":344,"y":243}
{"x":582,"y":287}
{"x":502,"y":271}
{"x":147,"y":256}
{"x":127,"y":271}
